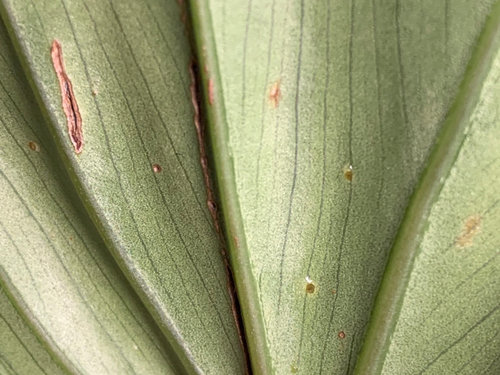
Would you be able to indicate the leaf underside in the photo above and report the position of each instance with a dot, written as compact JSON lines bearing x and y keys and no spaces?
{"x":321,"y":117}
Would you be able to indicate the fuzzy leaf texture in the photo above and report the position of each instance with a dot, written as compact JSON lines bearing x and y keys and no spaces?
{"x":354,"y":149}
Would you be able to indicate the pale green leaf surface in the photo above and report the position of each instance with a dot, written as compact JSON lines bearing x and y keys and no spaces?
{"x":438,"y":307}
{"x":462,"y":242}
{"x":451,"y":324}
{"x":21,"y":352}
{"x":53,"y":264}
{"x":363,"y":84}
{"x":128,"y":62}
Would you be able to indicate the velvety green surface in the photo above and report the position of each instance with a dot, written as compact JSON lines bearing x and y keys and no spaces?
{"x":361,"y":83}
{"x":437,"y":310}
{"x":53,"y":264}
{"x":128,"y":62}
{"x":21,"y":352}
{"x":324,"y":117}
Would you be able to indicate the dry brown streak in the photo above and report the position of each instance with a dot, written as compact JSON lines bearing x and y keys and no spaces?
{"x":70,"y":106}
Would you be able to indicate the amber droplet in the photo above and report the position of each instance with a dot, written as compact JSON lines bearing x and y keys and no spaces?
{"x":156,"y":168}
{"x":341,"y":335}
{"x":34,"y":146}
{"x":310,"y":287}
{"x":348,"y":173}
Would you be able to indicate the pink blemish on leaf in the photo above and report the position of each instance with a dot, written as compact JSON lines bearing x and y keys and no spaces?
{"x":70,"y":106}
{"x":157,"y":168}
{"x":275,"y":94}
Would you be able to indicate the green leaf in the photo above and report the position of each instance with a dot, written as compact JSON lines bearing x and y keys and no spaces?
{"x":322,"y":115}
{"x":328,"y":120}
{"x":21,"y":352}
{"x":128,"y":62}
{"x":54,"y":266}
{"x":438,"y":307}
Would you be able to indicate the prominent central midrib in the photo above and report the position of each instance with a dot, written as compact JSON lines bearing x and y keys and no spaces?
{"x":256,"y":344}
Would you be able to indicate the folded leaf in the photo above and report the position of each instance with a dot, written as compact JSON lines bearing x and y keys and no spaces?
{"x":123,"y":67}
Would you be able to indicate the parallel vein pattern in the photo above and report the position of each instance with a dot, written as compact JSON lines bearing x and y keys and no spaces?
{"x":138,"y":174}
{"x":58,"y":281}
{"x":341,"y":103}
{"x":458,"y":314}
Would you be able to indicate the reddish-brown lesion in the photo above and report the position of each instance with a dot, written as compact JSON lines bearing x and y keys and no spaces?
{"x":211,"y":203}
{"x":70,"y":106}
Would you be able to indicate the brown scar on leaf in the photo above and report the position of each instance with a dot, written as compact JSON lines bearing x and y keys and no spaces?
{"x":275,"y":94}
{"x":70,"y":106}
{"x":210,"y":91}
{"x":212,"y":206}
{"x":469,"y":231}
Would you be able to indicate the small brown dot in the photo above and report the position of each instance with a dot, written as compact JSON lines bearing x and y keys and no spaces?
{"x":156,"y":168}
{"x":34,"y":146}
{"x":348,"y":173}
{"x":310,"y":288}
{"x":334,"y":291}
{"x":341,"y":335}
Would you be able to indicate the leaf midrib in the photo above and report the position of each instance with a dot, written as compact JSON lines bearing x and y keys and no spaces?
{"x":385,"y":313}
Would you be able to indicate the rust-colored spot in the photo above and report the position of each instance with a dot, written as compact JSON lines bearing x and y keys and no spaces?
{"x":334,"y":291}
{"x":348,"y":172}
{"x":69,"y":103}
{"x":33,"y":146}
{"x":210,"y":91}
{"x":310,"y":288}
{"x":341,"y":335}
{"x":156,"y":168}
{"x":469,"y":231}
{"x":236,"y":242}
{"x":275,"y":94}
